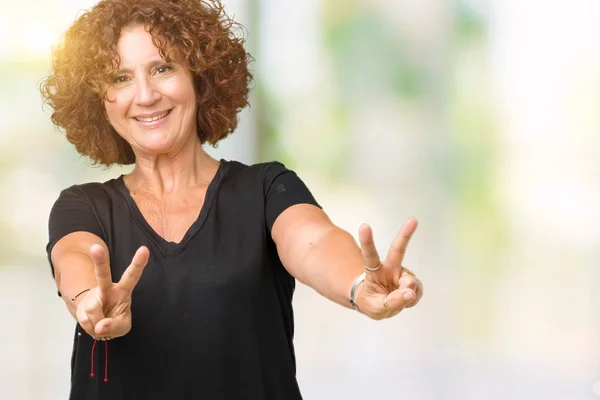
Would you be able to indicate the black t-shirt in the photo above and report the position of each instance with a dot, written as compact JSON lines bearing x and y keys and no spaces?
{"x":212,"y":315}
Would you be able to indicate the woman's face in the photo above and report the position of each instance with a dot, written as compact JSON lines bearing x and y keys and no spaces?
{"x":150,"y":103}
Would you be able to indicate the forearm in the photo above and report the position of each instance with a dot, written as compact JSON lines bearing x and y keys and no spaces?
{"x":326,"y":258}
{"x":331,"y":265}
{"x":73,"y":272}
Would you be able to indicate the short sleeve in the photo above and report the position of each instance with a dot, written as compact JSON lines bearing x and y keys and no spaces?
{"x":283,"y":189}
{"x":72,"y":212}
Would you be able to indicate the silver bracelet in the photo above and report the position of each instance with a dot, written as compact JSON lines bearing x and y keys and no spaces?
{"x":357,"y":282}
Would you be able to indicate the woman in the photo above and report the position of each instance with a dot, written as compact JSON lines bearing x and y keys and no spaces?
{"x":187,"y":262}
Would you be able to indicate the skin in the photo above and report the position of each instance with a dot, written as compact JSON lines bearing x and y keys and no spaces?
{"x":168,"y":183}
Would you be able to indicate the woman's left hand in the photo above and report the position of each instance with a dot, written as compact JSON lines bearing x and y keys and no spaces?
{"x":388,"y":287}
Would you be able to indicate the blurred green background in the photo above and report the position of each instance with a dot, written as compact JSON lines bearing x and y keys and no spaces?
{"x":480,"y":118}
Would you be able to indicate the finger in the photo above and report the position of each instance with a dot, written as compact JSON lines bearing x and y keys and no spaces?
{"x":399,"y":299}
{"x":94,"y":314}
{"x":84,"y":321}
{"x":132,"y":274}
{"x":101,"y":266}
{"x":367,"y":247}
{"x":398,"y":248}
{"x":407,"y":280}
{"x":113,"y":327}
{"x":418,"y":292}
{"x":105,"y":328}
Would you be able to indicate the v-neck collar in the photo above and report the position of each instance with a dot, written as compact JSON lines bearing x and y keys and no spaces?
{"x":167,"y":247}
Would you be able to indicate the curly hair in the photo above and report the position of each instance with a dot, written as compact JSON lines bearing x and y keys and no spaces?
{"x":199,"y":31}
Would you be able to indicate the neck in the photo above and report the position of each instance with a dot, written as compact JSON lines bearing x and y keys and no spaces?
{"x":167,"y":174}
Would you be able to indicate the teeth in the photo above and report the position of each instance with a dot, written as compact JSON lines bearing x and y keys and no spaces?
{"x":155,"y":118}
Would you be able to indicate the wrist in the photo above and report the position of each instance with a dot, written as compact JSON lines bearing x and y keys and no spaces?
{"x":78,"y":297}
{"x":74,"y":298}
{"x":355,"y":290}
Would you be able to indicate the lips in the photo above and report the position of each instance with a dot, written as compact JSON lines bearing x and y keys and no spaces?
{"x":152,"y":117}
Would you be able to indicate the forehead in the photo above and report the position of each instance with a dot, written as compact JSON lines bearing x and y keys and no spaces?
{"x":135,"y":46}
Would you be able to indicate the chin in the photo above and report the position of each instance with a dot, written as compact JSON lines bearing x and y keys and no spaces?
{"x":156,"y":145}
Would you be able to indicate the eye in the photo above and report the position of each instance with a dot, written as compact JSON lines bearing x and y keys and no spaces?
{"x":121,"y":79}
{"x":163,"y":69}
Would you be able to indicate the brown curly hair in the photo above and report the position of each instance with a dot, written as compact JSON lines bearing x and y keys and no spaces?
{"x":200,"y":32}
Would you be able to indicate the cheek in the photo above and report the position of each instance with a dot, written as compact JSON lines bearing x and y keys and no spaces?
{"x":180,"y":89}
{"x":115,"y":110}
{"x":116,"y":104}
{"x":110,"y":110}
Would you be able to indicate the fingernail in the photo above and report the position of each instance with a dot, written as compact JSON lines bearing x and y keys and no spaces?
{"x":408,"y":295}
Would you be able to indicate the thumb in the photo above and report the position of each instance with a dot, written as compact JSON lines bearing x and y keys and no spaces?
{"x":113,"y":327}
{"x":400,"y":298}
{"x":102,"y":328}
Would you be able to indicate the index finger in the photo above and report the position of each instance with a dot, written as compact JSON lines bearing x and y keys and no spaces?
{"x":100,"y":258}
{"x":367,"y":247}
{"x":132,"y":274}
{"x":397,"y":250}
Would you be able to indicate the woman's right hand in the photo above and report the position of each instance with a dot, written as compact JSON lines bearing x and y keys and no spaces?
{"x":104,"y":312}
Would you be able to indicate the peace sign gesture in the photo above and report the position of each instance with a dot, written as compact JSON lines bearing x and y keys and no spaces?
{"x":388,"y":287}
{"x":105,"y":310}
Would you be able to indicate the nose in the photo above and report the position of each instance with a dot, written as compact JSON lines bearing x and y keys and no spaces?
{"x":146,"y":92}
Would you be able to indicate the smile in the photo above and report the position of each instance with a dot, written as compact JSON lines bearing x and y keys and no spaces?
{"x":154,"y":117}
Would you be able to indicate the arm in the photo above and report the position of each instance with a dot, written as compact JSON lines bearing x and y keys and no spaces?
{"x":326,"y":258}
{"x":317,"y":253}
{"x":81,"y":261}
{"x":74,"y":267}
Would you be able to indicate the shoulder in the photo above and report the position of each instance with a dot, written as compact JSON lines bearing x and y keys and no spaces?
{"x":237,"y":166}
{"x":265,"y":171}
{"x":92,"y":192}
{"x":260,"y":178}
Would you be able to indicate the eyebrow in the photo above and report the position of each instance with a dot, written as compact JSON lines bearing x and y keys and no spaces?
{"x":149,"y":65}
